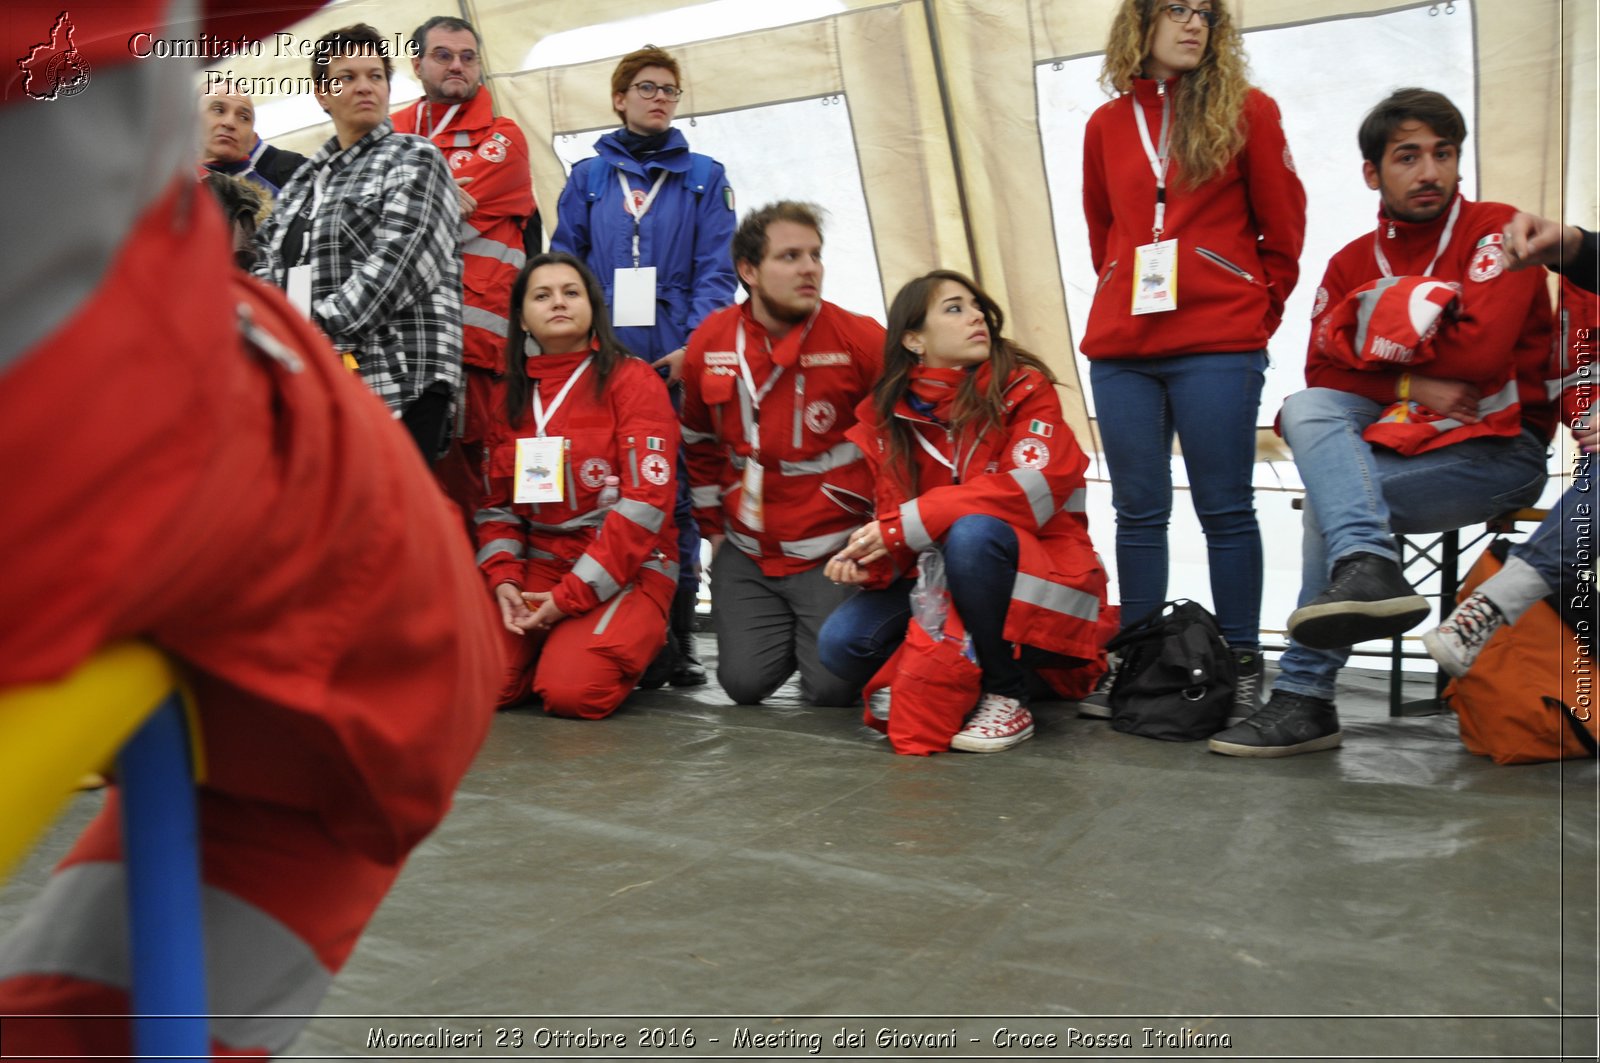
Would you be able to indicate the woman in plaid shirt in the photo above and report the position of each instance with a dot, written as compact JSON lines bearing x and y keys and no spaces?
{"x":364,"y":241}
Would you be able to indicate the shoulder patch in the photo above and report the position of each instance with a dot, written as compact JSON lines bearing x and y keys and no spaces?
{"x":1320,"y":304}
{"x":1030,"y":453}
{"x":1488,"y":259}
{"x":722,"y":358}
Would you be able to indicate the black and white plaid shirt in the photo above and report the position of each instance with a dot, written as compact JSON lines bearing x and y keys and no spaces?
{"x":385,"y":267}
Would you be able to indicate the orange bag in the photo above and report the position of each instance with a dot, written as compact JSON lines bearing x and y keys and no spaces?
{"x":1528,"y":697}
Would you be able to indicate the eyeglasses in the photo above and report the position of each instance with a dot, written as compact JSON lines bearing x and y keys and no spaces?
{"x":648,"y":90}
{"x":1182,"y":13}
{"x":444,"y":57}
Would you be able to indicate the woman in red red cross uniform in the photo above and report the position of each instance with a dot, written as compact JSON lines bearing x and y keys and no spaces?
{"x":970,"y":455}
{"x":576,"y":537}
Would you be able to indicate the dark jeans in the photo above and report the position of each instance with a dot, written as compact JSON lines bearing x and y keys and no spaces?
{"x":980,"y":562}
{"x":1210,"y":401}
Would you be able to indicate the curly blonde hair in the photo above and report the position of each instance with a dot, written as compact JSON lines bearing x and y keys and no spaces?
{"x":1208,"y":129}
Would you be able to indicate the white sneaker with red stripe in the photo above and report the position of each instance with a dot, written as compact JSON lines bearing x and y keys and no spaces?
{"x":997,"y":723}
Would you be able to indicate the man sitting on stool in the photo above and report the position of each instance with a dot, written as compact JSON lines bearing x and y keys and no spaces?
{"x":1426,"y":409}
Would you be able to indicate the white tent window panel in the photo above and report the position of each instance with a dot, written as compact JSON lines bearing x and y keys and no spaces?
{"x":1322,"y":108}
{"x":801,"y":149}
{"x":684,"y":25}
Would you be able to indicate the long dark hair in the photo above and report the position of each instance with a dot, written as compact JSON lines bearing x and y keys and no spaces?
{"x":985,"y":410}
{"x":610,"y":350}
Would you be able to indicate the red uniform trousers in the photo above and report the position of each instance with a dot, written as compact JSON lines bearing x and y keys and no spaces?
{"x":250,"y":508}
{"x":594,"y":660}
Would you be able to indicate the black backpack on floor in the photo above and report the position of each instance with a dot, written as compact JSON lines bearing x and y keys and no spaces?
{"x":1177,"y":675}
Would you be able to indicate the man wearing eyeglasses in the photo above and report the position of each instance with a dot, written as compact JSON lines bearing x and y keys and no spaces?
{"x":488,"y":157}
{"x":655,"y":222}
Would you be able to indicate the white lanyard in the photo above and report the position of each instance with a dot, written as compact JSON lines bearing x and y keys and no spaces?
{"x":1158,"y":159}
{"x":541,"y":416}
{"x":641,"y":210}
{"x":318,"y":186}
{"x":756,"y":394}
{"x":933,"y":452}
{"x":1444,"y":242}
{"x":435,"y":128}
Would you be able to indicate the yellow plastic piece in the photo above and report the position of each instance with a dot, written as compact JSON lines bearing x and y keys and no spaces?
{"x":53,"y":734}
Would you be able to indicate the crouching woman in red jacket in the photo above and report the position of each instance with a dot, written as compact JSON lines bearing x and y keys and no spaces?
{"x":970,"y":454}
{"x":576,"y":538}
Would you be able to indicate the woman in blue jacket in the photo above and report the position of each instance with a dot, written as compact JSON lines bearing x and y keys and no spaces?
{"x":654,"y":221}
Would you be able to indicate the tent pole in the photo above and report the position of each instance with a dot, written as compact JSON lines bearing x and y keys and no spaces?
{"x":950,"y":134}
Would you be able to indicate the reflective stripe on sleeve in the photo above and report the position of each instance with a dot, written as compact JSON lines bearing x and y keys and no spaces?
{"x":1037,"y":491}
{"x":668,"y":569}
{"x":595,"y":575}
{"x":816,"y":546}
{"x":484,"y":247}
{"x":77,"y":928}
{"x":836,"y":457}
{"x":583,"y":520}
{"x":751,"y":547}
{"x":505,"y":516}
{"x":692,"y":436}
{"x":1056,"y":597}
{"x":1077,"y":502}
{"x":917,"y":539}
{"x":648,"y":517}
{"x":501,"y":546}
{"x":706,"y":496}
{"x":481,"y":318}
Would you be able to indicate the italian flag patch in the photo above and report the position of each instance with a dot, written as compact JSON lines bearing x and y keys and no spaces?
{"x":655,"y":443}
{"x":1040,"y":428}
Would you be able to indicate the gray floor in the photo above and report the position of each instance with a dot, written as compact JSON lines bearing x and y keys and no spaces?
{"x":776,"y":873}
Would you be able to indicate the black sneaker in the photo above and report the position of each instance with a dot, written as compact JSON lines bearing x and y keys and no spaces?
{"x":688,"y":671}
{"x":1097,"y":703}
{"x":1288,"y":724}
{"x":1368,"y":598}
{"x":1251,"y":670}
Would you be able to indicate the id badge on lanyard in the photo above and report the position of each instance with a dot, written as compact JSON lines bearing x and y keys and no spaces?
{"x":633,"y":291}
{"x":1155,"y":265}
{"x":1155,"y":277}
{"x":752,"y":510}
{"x":541,"y":459}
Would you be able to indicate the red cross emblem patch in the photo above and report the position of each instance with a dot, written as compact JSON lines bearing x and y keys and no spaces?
{"x":1487,"y":263}
{"x":1030,"y":453}
{"x":656,"y":469}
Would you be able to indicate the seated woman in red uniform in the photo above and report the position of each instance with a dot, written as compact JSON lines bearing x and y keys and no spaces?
{"x":970,"y":453}
{"x":576,"y":538}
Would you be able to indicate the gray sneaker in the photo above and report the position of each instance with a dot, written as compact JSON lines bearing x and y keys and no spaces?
{"x":1097,"y":703}
{"x":1251,"y":669}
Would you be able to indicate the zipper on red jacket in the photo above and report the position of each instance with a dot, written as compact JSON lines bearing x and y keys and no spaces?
{"x":1225,"y":264}
{"x":1105,"y":278}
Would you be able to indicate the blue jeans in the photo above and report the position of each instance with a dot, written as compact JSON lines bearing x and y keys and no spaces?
{"x":980,"y":562}
{"x":1563,"y":543}
{"x":1211,"y":401}
{"x":1358,"y":497}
